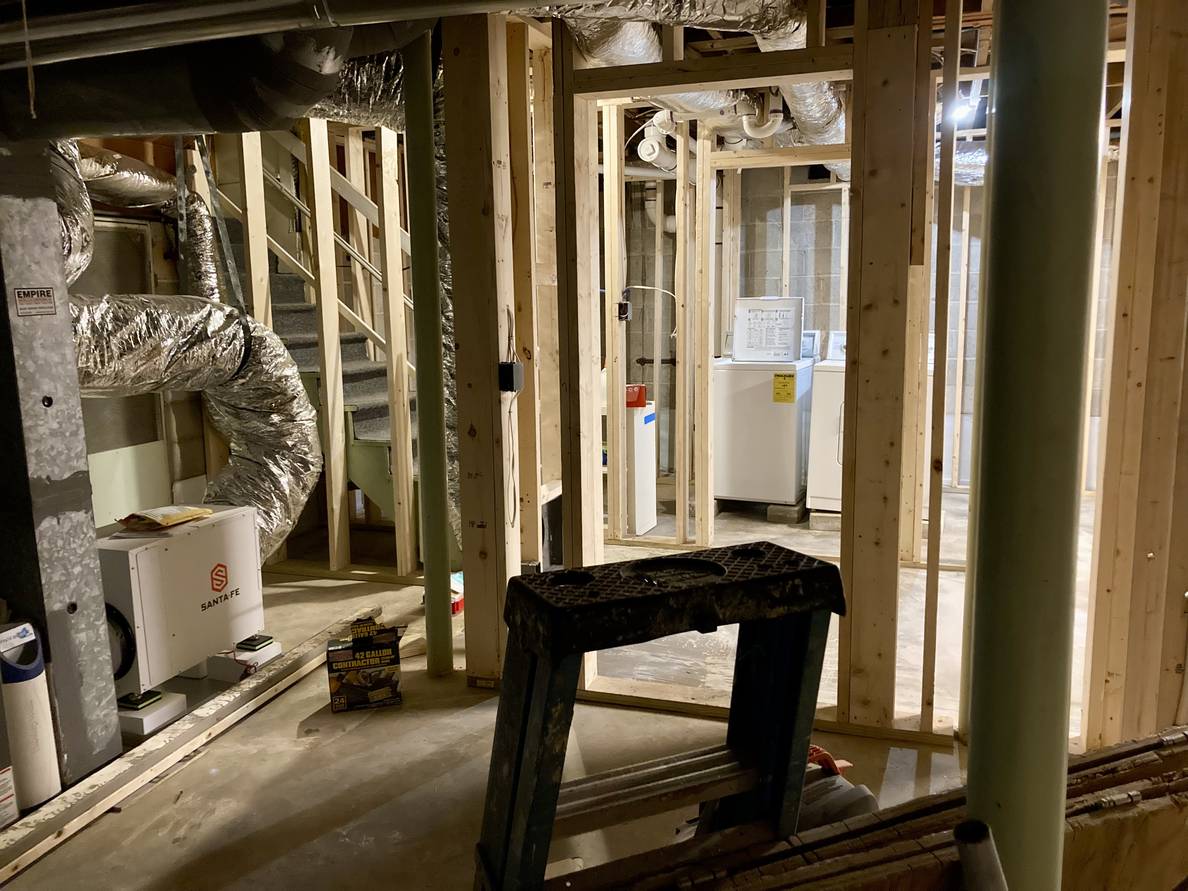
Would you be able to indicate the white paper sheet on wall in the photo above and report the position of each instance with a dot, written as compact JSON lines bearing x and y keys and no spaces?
{"x":768,"y":329}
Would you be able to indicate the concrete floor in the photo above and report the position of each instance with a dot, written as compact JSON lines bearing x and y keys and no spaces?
{"x":706,"y":662}
{"x":296,"y":797}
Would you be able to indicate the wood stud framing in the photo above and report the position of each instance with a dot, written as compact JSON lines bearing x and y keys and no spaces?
{"x":519,"y":116}
{"x":882,"y":133}
{"x":683,"y":261}
{"x":330,"y":353}
{"x":614,"y":278}
{"x":255,"y":229}
{"x":1137,"y":623}
{"x":576,"y":157}
{"x":480,"y":212}
{"x":944,"y":254}
{"x":703,"y":351}
{"x":396,"y":349}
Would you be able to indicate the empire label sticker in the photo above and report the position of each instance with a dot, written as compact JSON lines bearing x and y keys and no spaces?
{"x":783,"y":388}
{"x":35,"y":302}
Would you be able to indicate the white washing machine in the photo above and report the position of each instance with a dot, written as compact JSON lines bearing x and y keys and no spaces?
{"x":825,"y":438}
{"x":761,"y":414}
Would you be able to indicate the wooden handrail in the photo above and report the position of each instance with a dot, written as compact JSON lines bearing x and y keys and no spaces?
{"x":340,"y":184}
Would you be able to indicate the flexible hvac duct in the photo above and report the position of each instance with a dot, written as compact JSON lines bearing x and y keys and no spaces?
{"x":115,"y":179}
{"x":608,"y":41}
{"x":76,"y":218}
{"x":369,"y":93}
{"x":227,"y":86}
{"x":132,"y":344}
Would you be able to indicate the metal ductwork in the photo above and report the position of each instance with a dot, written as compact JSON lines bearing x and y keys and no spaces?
{"x":96,"y":30}
{"x":130,"y":344}
{"x":608,"y":41}
{"x":133,"y":344}
{"x":229,"y":86}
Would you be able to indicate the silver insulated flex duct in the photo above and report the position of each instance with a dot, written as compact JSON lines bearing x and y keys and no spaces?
{"x":131,"y":344}
{"x":75,"y":216}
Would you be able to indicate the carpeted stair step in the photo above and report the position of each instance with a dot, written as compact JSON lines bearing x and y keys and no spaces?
{"x":304,"y":349}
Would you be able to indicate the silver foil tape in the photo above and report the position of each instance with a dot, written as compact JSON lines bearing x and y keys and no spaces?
{"x":129,"y":344}
{"x":77,"y":219}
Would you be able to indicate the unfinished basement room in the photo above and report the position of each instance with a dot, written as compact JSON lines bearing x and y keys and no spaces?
{"x":623,"y":444}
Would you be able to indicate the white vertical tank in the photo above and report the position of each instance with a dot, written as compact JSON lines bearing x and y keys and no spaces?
{"x":28,"y":721}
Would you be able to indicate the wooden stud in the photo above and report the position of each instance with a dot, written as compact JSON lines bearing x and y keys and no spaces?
{"x":731,"y":72}
{"x":789,"y":156}
{"x":672,"y":42}
{"x":396,"y":350}
{"x":613,"y":276}
{"x":480,"y":212}
{"x":575,"y":153}
{"x":545,"y":206}
{"x":703,"y":349}
{"x":359,"y":228}
{"x":731,"y":251}
{"x":1136,"y":623}
{"x":944,"y":259}
{"x":255,"y":229}
{"x":814,"y":34}
{"x":682,"y":259}
{"x":317,"y":144}
{"x":519,"y":119}
{"x":962,"y":314}
{"x":1087,"y":472}
{"x":884,"y":100}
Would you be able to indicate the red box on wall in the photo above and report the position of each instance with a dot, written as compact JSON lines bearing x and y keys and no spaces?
{"x":637,"y":396}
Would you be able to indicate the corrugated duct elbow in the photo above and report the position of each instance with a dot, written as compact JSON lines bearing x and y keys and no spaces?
{"x":131,"y":344}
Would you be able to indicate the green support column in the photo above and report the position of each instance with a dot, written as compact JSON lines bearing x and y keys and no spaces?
{"x":431,"y":449}
{"x":1046,"y":100}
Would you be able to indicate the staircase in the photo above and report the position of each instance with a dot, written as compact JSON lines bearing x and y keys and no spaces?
{"x":364,"y":379}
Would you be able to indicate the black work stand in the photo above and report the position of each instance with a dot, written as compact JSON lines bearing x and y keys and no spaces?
{"x":781,"y":600}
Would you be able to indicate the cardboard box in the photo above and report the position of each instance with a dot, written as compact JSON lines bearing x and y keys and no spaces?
{"x":364,"y":672}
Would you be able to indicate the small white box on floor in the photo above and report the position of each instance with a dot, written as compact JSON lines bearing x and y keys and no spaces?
{"x":180,"y":594}
{"x":151,"y":718}
{"x":232,"y":666}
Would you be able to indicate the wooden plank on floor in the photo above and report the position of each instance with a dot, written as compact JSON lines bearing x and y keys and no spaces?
{"x":519,"y":118}
{"x":576,"y":176}
{"x":884,"y":100}
{"x":396,"y":350}
{"x":317,"y":163}
{"x":35,"y":835}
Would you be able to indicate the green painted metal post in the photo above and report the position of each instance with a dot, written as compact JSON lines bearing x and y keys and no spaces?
{"x":1047,"y":83}
{"x":431,"y":449}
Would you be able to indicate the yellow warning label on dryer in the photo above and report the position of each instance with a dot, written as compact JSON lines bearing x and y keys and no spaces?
{"x":783,"y":388}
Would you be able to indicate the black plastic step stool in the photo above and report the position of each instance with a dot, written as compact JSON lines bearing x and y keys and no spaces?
{"x":781,"y":600}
